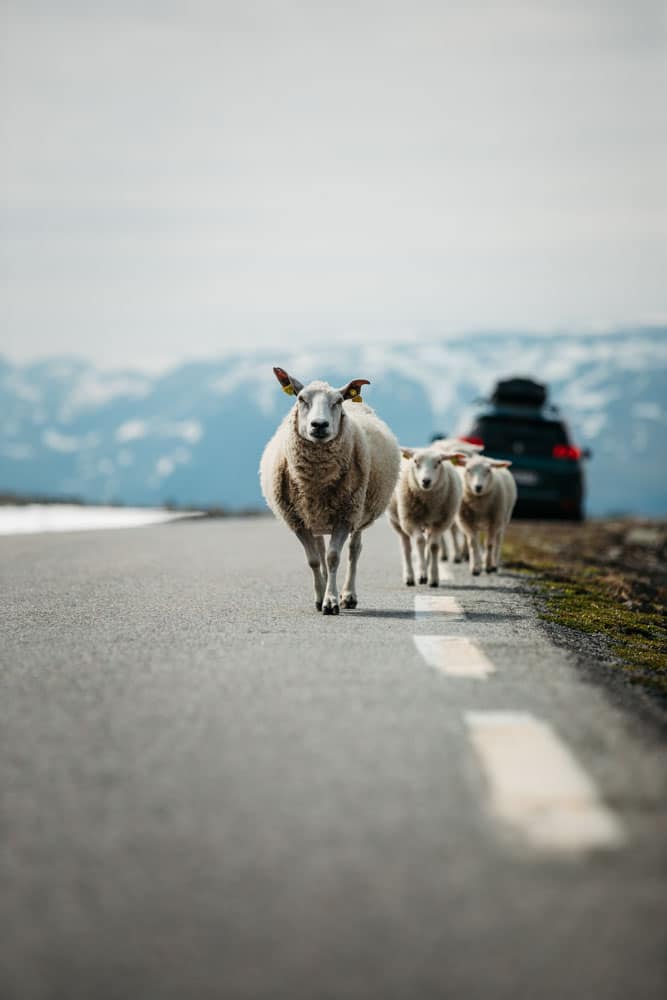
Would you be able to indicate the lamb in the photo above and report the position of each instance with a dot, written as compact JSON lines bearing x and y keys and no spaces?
{"x":489,"y":496}
{"x":453,"y":541}
{"x":423,"y":506}
{"x":330,"y":469}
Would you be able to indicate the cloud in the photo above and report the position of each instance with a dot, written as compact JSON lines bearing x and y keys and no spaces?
{"x":290,"y":172}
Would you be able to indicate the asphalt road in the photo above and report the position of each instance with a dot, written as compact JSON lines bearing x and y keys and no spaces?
{"x":211,"y":791}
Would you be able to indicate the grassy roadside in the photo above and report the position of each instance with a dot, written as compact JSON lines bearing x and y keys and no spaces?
{"x":606,"y":578}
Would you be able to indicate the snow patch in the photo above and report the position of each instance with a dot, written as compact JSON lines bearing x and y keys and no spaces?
{"x":18,"y":452}
{"x":167,"y":463}
{"x":131,"y":430}
{"x":37,"y":518}
{"x":22,"y":389}
{"x":164,"y":466}
{"x":591,"y":424}
{"x":188,"y":430}
{"x":61,"y":442}
{"x":647,"y":411}
{"x":95,"y":389}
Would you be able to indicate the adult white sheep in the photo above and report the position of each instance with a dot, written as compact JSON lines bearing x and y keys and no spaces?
{"x":453,"y":544}
{"x":330,"y":469}
{"x":424,"y":505}
{"x":489,"y":496}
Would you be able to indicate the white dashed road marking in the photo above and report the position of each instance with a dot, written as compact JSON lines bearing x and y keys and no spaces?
{"x":537,"y":786}
{"x":454,"y":655}
{"x":430,"y":604}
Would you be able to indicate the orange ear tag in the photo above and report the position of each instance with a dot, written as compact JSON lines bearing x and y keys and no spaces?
{"x":355,"y":397}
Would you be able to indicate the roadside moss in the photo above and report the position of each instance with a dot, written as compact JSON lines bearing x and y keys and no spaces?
{"x":588,"y":599}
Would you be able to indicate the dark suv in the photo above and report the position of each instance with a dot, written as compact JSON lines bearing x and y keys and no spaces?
{"x":518,"y":424}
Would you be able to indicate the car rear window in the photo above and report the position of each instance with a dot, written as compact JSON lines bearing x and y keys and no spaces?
{"x":520,"y":436}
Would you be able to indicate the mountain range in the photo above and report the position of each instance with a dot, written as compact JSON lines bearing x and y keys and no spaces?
{"x":194,"y":434}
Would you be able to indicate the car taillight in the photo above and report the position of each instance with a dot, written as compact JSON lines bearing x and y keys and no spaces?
{"x":566,"y":451}
{"x":472,"y":439}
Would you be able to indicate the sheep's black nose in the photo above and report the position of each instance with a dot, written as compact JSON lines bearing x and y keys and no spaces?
{"x":478,"y":489}
{"x":319,"y":426}
{"x":426,"y":482}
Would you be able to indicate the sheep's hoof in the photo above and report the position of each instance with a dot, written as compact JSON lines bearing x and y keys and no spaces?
{"x":330,"y":609}
{"x":349,"y":602}
{"x":476,"y":572}
{"x":434,"y":583}
{"x":491,"y":569}
{"x":423,"y":579}
{"x":443,"y":558}
{"x":409,"y":583}
{"x":459,"y":559}
{"x":318,"y":605}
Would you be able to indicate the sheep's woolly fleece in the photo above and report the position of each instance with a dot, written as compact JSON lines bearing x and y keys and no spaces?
{"x":346,"y":481}
{"x":413,"y":508}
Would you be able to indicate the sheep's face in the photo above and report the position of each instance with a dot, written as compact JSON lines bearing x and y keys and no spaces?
{"x":319,"y":412}
{"x":479,"y":474}
{"x":319,"y":407}
{"x":426,"y":465}
{"x":426,"y":468}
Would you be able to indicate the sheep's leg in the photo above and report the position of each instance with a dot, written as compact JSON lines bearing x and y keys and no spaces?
{"x":406,"y":545}
{"x":459,"y":544}
{"x":475,"y":550}
{"x":338,"y":538}
{"x":490,"y":546}
{"x":434,"y":539}
{"x":322,"y":552}
{"x":311,"y":545}
{"x":349,"y":595}
{"x":444,"y":547}
{"x":500,"y":534}
{"x":421,"y":554}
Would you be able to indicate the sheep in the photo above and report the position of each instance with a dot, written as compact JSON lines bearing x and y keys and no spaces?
{"x":330,"y":469}
{"x":424,"y":504}
{"x":489,"y":496}
{"x":453,"y":541}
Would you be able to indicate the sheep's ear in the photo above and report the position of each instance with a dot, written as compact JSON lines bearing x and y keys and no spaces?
{"x":455,"y":457}
{"x":500,"y":465}
{"x":290,"y":385}
{"x":353,"y":389}
{"x":407,"y":452}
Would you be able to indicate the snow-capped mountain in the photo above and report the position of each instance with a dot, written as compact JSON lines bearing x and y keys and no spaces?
{"x":194,"y":435}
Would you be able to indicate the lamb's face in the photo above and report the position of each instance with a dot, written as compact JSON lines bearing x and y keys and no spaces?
{"x":478,"y":475}
{"x":319,"y":412}
{"x":426,"y":467}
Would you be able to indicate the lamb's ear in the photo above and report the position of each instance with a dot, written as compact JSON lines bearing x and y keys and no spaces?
{"x":290,"y":385}
{"x":353,"y":389}
{"x":500,"y":465}
{"x":407,"y":452}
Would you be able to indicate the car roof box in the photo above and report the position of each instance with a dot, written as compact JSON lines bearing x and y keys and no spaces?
{"x":519,"y":392}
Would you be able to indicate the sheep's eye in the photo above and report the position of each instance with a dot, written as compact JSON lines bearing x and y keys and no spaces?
{"x":303,"y":401}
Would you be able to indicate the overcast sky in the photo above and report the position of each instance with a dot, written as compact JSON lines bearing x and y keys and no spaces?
{"x":180,"y":179}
